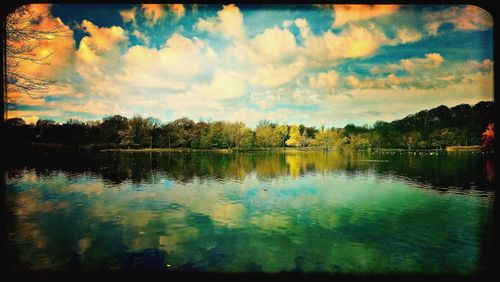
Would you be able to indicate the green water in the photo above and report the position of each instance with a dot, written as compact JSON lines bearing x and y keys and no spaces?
{"x":251,"y":212}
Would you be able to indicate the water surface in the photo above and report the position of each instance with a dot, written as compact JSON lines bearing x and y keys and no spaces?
{"x":252,"y":212}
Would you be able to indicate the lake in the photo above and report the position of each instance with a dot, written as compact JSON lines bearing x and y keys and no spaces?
{"x":333,"y":212}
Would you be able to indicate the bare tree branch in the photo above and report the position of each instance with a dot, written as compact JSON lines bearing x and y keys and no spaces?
{"x":23,"y":38}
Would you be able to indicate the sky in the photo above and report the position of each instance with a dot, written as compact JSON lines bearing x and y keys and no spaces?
{"x":295,"y":64}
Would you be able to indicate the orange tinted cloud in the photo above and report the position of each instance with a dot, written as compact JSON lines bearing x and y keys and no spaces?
{"x":56,"y":49}
{"x":153,"y":12}
{"x":128,"y":15}
{"x":177,"y":9}
{"x":355,"y":12}
{"x":463,"y":18}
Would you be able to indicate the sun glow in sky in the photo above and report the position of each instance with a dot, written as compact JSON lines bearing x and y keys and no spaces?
{"x":311,"y":64}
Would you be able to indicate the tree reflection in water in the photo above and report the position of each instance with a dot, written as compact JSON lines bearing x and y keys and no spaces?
{"x":241,"y":212}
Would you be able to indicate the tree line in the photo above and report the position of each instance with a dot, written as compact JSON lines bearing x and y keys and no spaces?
{"x":462,"y":125}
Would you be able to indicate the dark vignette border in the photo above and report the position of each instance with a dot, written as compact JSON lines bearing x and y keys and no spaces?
{"x":488,"y":257}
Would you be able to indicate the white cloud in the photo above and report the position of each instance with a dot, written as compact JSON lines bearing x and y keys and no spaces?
{"x":404,"y":101}
{"x":286,"y":23}
{"x":229,"y":22}
{"x":303,"y":26}
{"x":251,"y":116}
{"x":271,"y":75}
{"x":407,"y":35}
{"x":270,"y":59}
{"x":170,"y":61}
{"x":144,"y":38}
{"x":329,"y":48}
{"x":325,"y":81}
{"x":412,"y":65}
{"x":224,"y":85}
{"x":354,"y":81}
{"x":286,"y":95}
{"x":431,"y":60}
{"x":100,"y":107}
{"x":189,"y":77}
{"x":474,"y":66}
{"x":98,"y":60}
{"x":275,"y":45}
{"x":100,"y":50}
{"x":425,"y":73}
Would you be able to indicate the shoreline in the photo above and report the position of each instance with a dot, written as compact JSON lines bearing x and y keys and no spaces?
{"x":463,"y":148}
{"x":189,"y":150}
{"x":45,"y":147}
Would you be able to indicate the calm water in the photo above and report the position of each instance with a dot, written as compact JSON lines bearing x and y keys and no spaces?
{"x":251,"y":212}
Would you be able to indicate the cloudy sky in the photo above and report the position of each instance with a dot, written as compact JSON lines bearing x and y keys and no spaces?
{"x":311,"y":64}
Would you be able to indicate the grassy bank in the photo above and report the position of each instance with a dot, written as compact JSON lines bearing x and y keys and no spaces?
{"x":44,"y":147}
{"x":463,"y":148}
{"x":405,"y":150}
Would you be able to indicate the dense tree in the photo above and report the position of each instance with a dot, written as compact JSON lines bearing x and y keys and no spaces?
{"x":435,"y":128}
{"x":375,"y":139}
{"x":359,"y":141}
{"x":281,"y":132}
{"x":351,"y":129}
{"x":139,"y":132}
{"x":306,"y":140}
{"x":155,"y":132}
{"x":45,"y":131}
{"x":328,"y":139}
{"x":247,"y":139}
{"x":296,"y":138}
{"x":269,"y":135}
{"x":15,"y":122}
{"x":201,"y":138}
{"x":18,"y":131}
{"x":218,"y":135}
{"x":167,"y":134}
{"x":182,"y":132}
{"x":93,"y":131}
{"x":411,"y":139}
{"x":264,"y":136}
{"x":114,"y":129}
